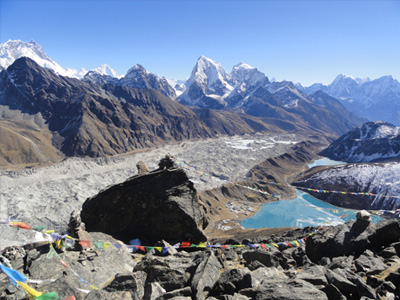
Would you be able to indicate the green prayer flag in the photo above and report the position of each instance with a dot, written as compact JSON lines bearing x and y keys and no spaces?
{"x":51,"y":253}
{"x":38,"y":228}
{"x":48,"y":296}
{"x":98,"y":245}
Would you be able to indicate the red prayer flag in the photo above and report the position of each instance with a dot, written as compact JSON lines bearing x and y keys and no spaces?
{"x":185,"y":244}
{"x":22,"y":225}
{"x":263,"y":246}
{"x":64,"y":263}
{"x":84,"y":243}
{"x":141,"y":248}
{"x":70,"y":298}
{"x":224,"y":246}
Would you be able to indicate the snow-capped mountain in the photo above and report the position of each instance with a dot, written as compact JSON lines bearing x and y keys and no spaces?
{"x":105,"y":69}
{"x":136,"y":77}
{"x":211,"y":86}
{"x":373,"y":141}
{"x":249,"y":91}
{"x":139,"y":77}
{"x":377,"y":99}
{"x":14,"y":49}
{"x":382,"y":179}
{"x":207,"y":86}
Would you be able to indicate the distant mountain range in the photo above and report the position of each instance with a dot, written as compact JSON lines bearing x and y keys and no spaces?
{"x":210,"y":86}
{"x":45,"y":116}
{"x":101,"y":114}
{"x":375,"y":100}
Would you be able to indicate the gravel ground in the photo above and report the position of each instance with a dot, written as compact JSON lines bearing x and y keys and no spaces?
{"x":47,"y":195}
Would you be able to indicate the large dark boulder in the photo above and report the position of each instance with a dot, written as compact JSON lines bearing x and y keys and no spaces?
{"x":160,"y":205}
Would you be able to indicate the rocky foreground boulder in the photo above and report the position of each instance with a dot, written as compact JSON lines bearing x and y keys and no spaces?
{"x":158,"y":205}
{"x":357,"y":260}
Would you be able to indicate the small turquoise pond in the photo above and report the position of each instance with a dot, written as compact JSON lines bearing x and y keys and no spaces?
{"x":303,"y":211}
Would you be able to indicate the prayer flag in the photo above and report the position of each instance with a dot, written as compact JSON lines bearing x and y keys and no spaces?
{"x":85,"y":243}
{"x":32,"y":292}
{"x":64,"y":263}
{"x":51,"y":296}
{"x":185,"y":244}
{"x":98,"y":245}
{"x":21,"y":225}
{"x":263,"y":246}
{"x":38,"y":228}
{"x":202,"y":245}
{"x":70,"y":298}
{"x":106,"y":245}
{"x":14,"y":275}
{"x":51,"y":253}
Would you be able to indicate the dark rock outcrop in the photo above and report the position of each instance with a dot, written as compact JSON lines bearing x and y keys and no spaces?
{"x":223,"y":273}
{"x":160,"y":205}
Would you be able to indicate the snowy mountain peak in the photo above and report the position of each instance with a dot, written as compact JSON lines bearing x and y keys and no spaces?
{"x":378,"y":130}
{"x":105,"y":69}
{"x":209,"y":67}
{"x":244,"y":73}
{"x":137,"y":68}
{"x":372,"y":141}
{"x":14,"y":49}
{"x":208,"y":73}
{"x":242,"y":65}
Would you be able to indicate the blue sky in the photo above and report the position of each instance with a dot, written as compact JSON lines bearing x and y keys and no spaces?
{"x":301,"y":41}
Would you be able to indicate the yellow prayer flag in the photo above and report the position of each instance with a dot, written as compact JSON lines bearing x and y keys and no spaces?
{"x":158,"y":248}
{"x":276,"y":245}
{"x":49,"y":231}
{"x":93,"y":287}
{"x":106,"y":245}
{"x":32,"y":292}
{"x":202,"y":245}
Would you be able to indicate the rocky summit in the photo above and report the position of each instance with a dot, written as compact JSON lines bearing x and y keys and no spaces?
{"x":154,"y":206}
{"x":356,"y":260}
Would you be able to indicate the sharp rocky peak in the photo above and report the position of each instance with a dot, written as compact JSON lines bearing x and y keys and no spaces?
{"x":136,"y":69}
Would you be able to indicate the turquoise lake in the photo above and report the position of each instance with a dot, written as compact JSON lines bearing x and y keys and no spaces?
{"x":302,"y":211}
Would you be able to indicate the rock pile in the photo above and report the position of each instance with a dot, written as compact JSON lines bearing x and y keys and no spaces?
{"x":357,"y":260}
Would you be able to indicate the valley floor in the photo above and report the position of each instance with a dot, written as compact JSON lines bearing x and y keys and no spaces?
{"x":47,"y":195}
